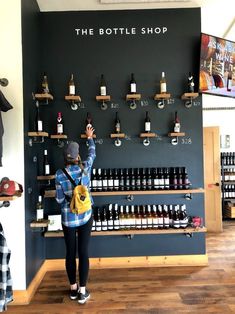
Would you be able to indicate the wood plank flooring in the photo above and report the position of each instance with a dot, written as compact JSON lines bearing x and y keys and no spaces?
{"x":198,"y":290}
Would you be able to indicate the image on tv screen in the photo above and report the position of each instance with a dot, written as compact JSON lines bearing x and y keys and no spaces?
{"x":217,"y":66}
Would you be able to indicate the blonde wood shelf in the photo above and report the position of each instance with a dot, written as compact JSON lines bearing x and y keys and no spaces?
{"x":174,"y":134}
{"x":43,"y":96}
{"x":39,"y":224}
{"x":84,"y":136}
{"x":50,"y":177}
{"x":189,"y":95}
{"x":73,"y":98}
{"x":59,"y":234}
{"x":38,"y":134}
{"x":58,"y":136}
{"x":103,"y":98}
{"x":162,"y":96}
{"x":51,"y":193}
{"x":10,"y":198}
{"x":117,"y":135}
{"x":148,"y":135}
{"x":133,"y":96}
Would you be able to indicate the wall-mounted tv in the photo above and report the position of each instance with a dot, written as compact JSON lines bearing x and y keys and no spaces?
{"x":217,"y":66}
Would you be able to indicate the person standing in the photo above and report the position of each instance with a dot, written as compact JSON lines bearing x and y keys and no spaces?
{"x":76,"y":227}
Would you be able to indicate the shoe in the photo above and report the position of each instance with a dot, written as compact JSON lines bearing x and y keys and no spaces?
{"x":73,"y":294}
{"x":82,"y":298}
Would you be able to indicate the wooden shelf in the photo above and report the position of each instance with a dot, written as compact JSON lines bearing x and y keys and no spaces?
{"x":117,"y":135}
{"x":148,"y":134}
{"x":84,"y":136}
{"x":51,"y":193}
{"x":58,"y":234}
{"x":58,"y":136}
{"x":189,"y":95}
{"x":73,"y":98}
{"x":162,"y":96}
{"x":43,"y":96}
{"x":176,"y":134}
{"x":10,"y":198}
{"x":50,"y":177}
{"x":133,"y":96}
{"x":39,"y":224}
{"x":103,"y":98}
{"x":38,"y":134}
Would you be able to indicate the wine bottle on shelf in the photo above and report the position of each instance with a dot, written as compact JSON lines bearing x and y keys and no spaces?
{"x":143,"y":179}
{"x":183,"y":217}
{"x":122,"y":218}
{"x":45,"y":86}
{"x":127,"y":218}
{"x":59,"y":125}
{"x":190,"y":83}
{"x":179,"y":179}
{"x":127,"y":180}
{"x":46,"y":164}
{"x":93,"y":181}
{"x":88,"y":119}
{"x":110,"y":217}
{"x":116,"y":219}
{"x":166,"y":178}
{"x":176,"y":123}
{"x":121,"y":180}
{"x":71,"y":86}
{"x":103,"y":88}
{"x":138,"y":218}
{"x":185,"y":179}
{"x":160,"y":217}
{"x":116,"y":180}
{"x":104,"y":222}
{"x":110,"y":180}
{"x":166,"y":219}
{"x":99,"y":180}
{"x":98,"y":221}
{"x":147,"y":123}
{"x":93,"y":222}
{"x":138,"y":180}
{"x":39,"y":209}
{"x":117,"y":124}
{"x":144,"y":217}
{"x":149,"y":179}
{"x":149,"y":217}
{"x":104,"y":180}
{"x":38,"y":120}
{"x":176,"y":219}
{"x":155,"y":217}
{"x":132,"y":179}
{"x":163,"y":85}
{"x":132,"y":217}
{"x":132,"y":84}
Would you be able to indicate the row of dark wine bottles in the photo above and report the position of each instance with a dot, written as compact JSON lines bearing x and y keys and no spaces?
{"x":136,"y":179}
{"x":227,"y":158}
{"x":116,"y":217}
{"x":228,"y":191}
{"x":103,"y":89}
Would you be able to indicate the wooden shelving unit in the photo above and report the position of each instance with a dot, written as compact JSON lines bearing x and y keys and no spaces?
{"x":133,"y":97}
{"x":162,"y":96}
{"x":151,"y":134}
{"x":187,"y":96}
{"x":73,"y":98}
{"x":38,"y":134}
{"x":58,"y":136}
{"x":117,"y":135}
{"x":40,"y":224}
{"x":188,"y":230}
{"x":51,"y":193}
{"x":176,"y":134}
{"x":43,"y":96}
{"x":103,"y":98}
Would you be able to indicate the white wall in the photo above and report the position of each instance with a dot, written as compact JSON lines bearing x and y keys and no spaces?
{"x":214,"y":24}
{"x":12,"y":218}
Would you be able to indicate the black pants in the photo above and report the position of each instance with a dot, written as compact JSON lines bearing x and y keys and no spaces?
{"x":81,"y":243}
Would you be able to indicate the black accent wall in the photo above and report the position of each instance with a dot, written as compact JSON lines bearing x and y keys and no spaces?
{"x":62,"y":51}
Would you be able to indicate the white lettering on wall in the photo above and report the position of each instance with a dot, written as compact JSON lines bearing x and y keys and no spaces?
{"x":113,"y":31}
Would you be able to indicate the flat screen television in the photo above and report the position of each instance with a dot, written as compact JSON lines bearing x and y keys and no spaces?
{"x":217,"y":66}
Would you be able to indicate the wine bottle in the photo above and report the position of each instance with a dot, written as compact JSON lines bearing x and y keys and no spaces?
{"x":104,"y":222}
{"x":94,"y":180}
{"x":39,"y":209}
{"x":132,"y":217}
{"x":147,"y":123}
{"x":99,"y":180}
{"x":103,"y":88}
{"x":38,"y":121}
{"x":59,"y":125}
{"x":132,"y":84}
{"x":110,"y":180}
{"x":117,"y":124}
{"x":163,"y":87}
{"x":88,"y":119}
{"x":45,"y":86}
{"x":98,"y":221}
{"x":166,"y":219}
{"x":116,"y":220}
{"x":110,"y":217}
{"x":138,"y":218}
{"x":144,"y":217}
{"x":176,"y":123}
{"x":71,"y":86}
{"x":155,"y":217}
{"x":104,"y":180}
{"x":116,"y":180}
{"x":46,"y":163}
{"x":121,"y":180}
{"x":190,"y":83}
{"x":121,"y":218}
{"x":160,"y":217}
{"x":229,"y":82}
{"x":149,"y":217}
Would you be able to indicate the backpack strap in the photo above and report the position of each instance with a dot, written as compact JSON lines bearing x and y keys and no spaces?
{"x":69,"y":177}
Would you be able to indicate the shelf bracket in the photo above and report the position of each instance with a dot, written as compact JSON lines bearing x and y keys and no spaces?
{"x":4,"y":204}
{"x":188,"y":196}
{"x":36,"y":140}
{"x":161,"y":103}
{"x":130,"y":197}
{"x":132,"y":104}
{"x":174,"y":140}
{"x":146,"y":141}
{"x":188,"y":234}
{"x":130,"y":236}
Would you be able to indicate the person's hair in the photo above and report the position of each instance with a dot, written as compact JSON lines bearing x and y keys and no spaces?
{"x":77,"y":161}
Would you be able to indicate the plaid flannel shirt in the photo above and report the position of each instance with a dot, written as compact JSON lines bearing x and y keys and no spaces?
{"x":65,"y":188}
{"x":6,"y":294}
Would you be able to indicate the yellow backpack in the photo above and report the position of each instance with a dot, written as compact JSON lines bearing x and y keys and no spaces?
{"x":80,"y":201}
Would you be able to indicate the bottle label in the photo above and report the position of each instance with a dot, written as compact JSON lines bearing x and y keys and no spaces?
{"x":47,"y":169}
{"x":39,"y":214}
{"x":133,"y":87}
{"x":177,"y":128}
{"x":229,"y":87}
{"x":39,"y":126}
{"x":59,"y":128}
{"x":94,"y":183}
{"x":163,"y":88}
{"x":71,"y":89}
{"x":155,"y":222}
{"x":147,"y":126}
{"x":103,"y":90}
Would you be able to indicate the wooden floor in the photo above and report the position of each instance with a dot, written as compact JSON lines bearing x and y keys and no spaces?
{"x":174,"y":290}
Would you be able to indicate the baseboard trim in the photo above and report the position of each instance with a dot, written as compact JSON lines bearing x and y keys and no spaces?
{"x":24,"y":296}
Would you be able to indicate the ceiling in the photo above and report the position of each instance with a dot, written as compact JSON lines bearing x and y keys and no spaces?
{"x":218,"y":16}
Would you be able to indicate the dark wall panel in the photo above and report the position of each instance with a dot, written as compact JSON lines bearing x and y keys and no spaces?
{"x":176,"y":52}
